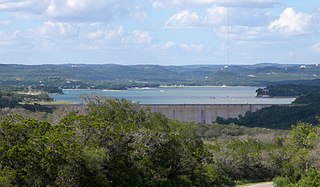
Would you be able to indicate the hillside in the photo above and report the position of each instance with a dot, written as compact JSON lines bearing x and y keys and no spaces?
{"x":120,"y":76}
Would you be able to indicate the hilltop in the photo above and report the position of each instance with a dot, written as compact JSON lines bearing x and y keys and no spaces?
{"x":115,"y":76}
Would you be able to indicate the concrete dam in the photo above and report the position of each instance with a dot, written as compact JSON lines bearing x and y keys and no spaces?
{"x":204,"y":113}
{"x":200,"y":113}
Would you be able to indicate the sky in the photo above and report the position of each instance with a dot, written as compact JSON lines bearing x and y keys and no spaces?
{"x":162,"y":32}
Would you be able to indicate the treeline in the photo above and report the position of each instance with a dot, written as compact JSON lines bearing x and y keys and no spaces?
{"x":281,"y":117}
{"x":300,"y":166}
{"x":288,"y":159}
{"x":27,"y":88}
{"x":48,"y":89}
{"x":288,"y":90}
{"x":12,"y":99}
{"x":116,"y":143}
{"x":311,"y":99}
{"x":9,"y":99}
{"x":119,"y":143}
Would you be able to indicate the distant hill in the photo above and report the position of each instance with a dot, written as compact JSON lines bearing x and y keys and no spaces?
{"x":106,"y":75}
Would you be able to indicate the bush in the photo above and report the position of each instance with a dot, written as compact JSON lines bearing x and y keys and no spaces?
{"x":310,"y":179}
{"x":115,"y":143}
{"x":281,"y":181}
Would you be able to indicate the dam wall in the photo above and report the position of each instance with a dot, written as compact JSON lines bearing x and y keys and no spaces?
{"x":204,"y":113}
{"x":200,"y":113}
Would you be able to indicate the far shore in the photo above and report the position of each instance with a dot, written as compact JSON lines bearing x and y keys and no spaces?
{"x":161,"y":86}
{"x":206,"y":86}
{"x":79,"y":89}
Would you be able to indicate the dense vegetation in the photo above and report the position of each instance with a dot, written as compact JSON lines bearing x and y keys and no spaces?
{"x":118,"y":143}
{"x":288,"y":90}
{"x":314,"y":82}
{"x":7,"y":100}
{"x":10,"y":99}
{"x":111,"y":76}
{"x":311,"y":99}
{"x":304,"y":109}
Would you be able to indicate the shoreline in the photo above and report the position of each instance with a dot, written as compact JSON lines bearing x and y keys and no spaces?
{"x":278,"y":97}
{"x":207,"y":86}
{"x":163,"y":86}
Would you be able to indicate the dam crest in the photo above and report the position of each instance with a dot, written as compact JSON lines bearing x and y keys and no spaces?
{"x":205,"y":113}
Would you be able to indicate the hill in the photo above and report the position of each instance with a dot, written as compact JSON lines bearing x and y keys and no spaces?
{"x":121,"y":77}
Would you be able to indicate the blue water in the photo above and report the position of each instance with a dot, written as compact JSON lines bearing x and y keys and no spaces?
{"x":180,"y":95}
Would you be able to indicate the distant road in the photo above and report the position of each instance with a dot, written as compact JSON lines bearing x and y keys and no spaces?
{"x":265,"y":184}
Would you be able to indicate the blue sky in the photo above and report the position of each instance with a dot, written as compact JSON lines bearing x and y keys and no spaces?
{"x":164,"y":32}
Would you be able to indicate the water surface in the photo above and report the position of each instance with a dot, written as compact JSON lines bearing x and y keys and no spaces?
{"x":180,"y":95}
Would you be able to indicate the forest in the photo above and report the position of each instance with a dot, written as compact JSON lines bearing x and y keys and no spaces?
{"x":304,"y":109}
{"x":119,"y":143}
{"x":121,"y":77}
{"x":288,"y":90}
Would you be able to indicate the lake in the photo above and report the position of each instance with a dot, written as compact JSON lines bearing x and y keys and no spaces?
{"x":180,"y":95}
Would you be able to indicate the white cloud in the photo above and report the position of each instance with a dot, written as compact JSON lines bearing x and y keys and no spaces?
{"x":183,"y":19}
{"x":115,"y":32}
{"x":158,"y":4}
{"x":216,"y":16}
{"x":102,"y":10}
{"x":96,"y":31}
{"x":224,"y":3}
{"x":58,"y":29}
{"x":81,"y":10}
{"x":170,"y":44}
{"x":193,"y":47}
{"x":80,"y":31}
{"x":245,"y":34}
{"x":89,"y":34}
{"x":291,"y":22}
{"x":138,"y":37}
{"x":15,"y":5}
{"x":98,"y":34}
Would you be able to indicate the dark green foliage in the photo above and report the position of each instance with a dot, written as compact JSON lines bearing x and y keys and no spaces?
{"x":38,"y":154}
{"x":306,"y":109}
{"x":311,"y":179}
{"x":300,"y":166}
{"x":11,"y":100}
{"x":288,"y":90}
{"x":280,"y":117}
{"x":8,"y":99}
{"x":141,"y":145}
{"x":248,"y":159}
{"x":314,"y":82}
{"x":119,"y":143}
{"x":212,"y":175}
{"x":48,"y":89}
{"x":231,"y":131}
{"x":115,"y":143}
{"x":313,"y":98}
{"x":36,"y":108}
{"x":242,"y":153}
{"x":292,"y":160}
{"x":281,"y":182}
